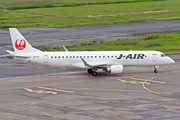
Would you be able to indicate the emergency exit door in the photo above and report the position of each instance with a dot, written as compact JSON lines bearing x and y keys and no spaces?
{"x":154,"y":57}
{"x":45,"y":58}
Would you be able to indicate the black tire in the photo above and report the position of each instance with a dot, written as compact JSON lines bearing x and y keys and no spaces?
{"x":89,"y":71}
{"x":155,"y":71}
{"x":94,"y":73}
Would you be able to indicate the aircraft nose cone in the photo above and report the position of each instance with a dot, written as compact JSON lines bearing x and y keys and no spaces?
{"x":171,"y":61}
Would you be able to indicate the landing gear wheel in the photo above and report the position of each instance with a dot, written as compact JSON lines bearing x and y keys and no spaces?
{"x":94,"y":73}
{"x":89,"y":71}
{"x":155,"y":71}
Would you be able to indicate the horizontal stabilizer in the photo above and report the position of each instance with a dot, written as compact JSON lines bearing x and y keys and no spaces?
{"x":22,"y":56}
{"x":13,"y":54}
{"x":10,"y":52}
{"x":3,"y":56}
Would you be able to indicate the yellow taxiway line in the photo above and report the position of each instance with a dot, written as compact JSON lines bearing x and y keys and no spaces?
{"x":40,"y":91}
{"x":56,"y":89}
{"x":145,"y":81}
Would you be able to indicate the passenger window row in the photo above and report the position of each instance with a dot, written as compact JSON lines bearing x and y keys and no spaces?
{"x":84,"y":56}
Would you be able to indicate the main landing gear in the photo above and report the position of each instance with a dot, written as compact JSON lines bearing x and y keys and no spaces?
{"x":92,"y":71}
{"x":155,"y":69}
{"x":89,"y":71}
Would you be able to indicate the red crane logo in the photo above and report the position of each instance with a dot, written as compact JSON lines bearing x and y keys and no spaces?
{"x":20,"y":44}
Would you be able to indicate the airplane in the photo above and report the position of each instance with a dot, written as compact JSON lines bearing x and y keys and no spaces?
{"x":109,"y":61}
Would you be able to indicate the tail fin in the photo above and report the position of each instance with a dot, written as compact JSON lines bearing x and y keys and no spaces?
{"x":20,"y":44}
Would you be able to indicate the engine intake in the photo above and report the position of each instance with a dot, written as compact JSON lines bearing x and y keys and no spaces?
{"x":115,"y":69}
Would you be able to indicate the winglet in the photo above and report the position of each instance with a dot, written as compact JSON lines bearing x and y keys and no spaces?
{"x":65,"y":49}
{"x":85,"y":63}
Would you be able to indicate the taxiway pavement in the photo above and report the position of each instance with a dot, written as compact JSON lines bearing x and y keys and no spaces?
{"x":137,"y":94}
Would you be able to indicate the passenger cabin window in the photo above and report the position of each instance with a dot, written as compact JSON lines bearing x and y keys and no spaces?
{"x":51,"y":56}
{"x":91,"y":56}
{"x":62,"y":56}
{"x":66,"y":56}
{"x":77,"y":56}
{"x":59,"y":57}
{"x":103,"y":56}
{"x":73,"y":56}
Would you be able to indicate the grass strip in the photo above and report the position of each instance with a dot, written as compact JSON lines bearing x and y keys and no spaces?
{"x":167,"y":43}
{"x":77,"y":16}
{"x":104,"y":9}
{"x":29,"y":4}
{"x":19,"y":20}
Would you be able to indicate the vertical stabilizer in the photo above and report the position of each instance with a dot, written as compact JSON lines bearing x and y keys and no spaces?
{"x":20,"y":44}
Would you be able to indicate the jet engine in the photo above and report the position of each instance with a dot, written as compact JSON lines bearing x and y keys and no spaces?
{"x":115,"y":69}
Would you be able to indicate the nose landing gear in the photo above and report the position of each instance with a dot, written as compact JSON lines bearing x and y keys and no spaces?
{"x":155,"y":69}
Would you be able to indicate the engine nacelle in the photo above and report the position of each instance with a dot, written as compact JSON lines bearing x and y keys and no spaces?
{"x":115,"y":69}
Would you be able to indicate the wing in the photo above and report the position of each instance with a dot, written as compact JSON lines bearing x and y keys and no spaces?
{"x":91,"y":65}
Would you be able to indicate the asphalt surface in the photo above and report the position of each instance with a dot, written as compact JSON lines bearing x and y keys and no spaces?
{"x":137,"y":94}
{"x":35,"y":92}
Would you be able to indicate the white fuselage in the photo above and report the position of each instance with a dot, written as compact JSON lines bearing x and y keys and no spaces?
{"x":124,"y":58}
{"x":110,"y":61}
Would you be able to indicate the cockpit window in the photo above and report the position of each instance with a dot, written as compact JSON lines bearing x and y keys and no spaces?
{"x":163,"y":55}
